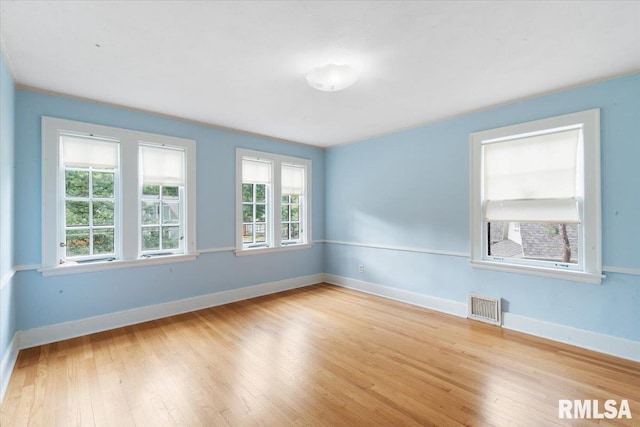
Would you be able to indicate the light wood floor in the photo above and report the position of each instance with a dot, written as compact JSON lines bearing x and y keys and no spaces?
{"x":320,"y":355}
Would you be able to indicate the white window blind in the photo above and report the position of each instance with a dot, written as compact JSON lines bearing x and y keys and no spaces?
{"x":557,"y":211}
{"x":292,"y":180}
{"x":256,"y":171}
{"x":87,"y":152}
{"x":162,"y":166}
{"x":532,"y":179}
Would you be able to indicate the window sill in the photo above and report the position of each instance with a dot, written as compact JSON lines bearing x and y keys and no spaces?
{"x":573,"y":275}
{"x":258,"y":251}
{"x":62,"y":270}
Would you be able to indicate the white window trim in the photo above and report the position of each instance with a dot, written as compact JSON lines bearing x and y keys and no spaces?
{"x":591,"y":256}
{"x":130,"y":196}
{"x":275,"y":225}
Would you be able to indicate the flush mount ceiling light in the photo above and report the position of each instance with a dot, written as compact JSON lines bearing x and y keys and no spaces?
{"x":332,"y":77}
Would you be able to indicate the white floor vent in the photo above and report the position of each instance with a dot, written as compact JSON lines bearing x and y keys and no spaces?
{"x":484,"y":309}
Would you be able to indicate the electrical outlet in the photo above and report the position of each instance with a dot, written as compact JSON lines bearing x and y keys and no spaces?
{"x":361,"y":268}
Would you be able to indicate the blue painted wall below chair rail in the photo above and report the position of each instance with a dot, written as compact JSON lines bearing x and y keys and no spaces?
{"x":411,"y":189}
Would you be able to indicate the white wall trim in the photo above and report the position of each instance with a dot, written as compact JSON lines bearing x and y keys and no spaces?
{"x":622,"y":270}
{"x":421,"y":300}
{"x":6,"y":278}
{"x":605,"y":268}
{"x":26,"y":267}
{"x":7,"y":364}
{"x":607,"y":344}
{"x":77,"y":328}
{"x":399,"y":248}
{"x":215,"y":250}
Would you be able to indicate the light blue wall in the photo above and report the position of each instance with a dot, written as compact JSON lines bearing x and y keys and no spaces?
{"x":7,"y":295}
{"x":406,"y":189}
{"x":411,"y":189}
{"x":44,"y":301}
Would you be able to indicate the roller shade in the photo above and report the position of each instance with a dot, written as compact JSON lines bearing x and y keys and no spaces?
{"x":162,"y":166}
{"x":255,"y":171}
{"x":292,"y":180}
{"x":557,"y":211}
{"x":538,"y":167}
{"x":78,"y":151}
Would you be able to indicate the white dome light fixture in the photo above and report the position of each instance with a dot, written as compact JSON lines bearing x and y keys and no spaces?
{"x":332,"y":77}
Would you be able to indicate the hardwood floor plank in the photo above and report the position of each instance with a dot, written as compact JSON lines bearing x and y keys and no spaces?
{"x":320,"y":355}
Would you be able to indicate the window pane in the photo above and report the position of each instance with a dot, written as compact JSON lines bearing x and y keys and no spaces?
{"x":247,"y":233}
{"x":260,"y":212}
{"x":171,"y":213}
{"x":102,"y":213}
{"x":261,"y":233}
{"x":103,"y":184}
{"x":285,"y":198}
{"x":285,"y":231}
{"x":170,"y":192}
{"x":285,"y":213}
{"x":260,"y":193}
{"x":247,"y":213}
{"x":150,"y":238}
{"x":150,"y":212}
{"x":151,"y":190}
{"x":170,"y":237}
{"x":535,"y":241}
{"x":103,"y":241}
{"x":77,"y":183}
{"x":295,"y":231}
{"x":295,"y":199}
{"x":77,"y":213}
{"x":247,"y":192}
{"x":77,"y":242}
{"x":295,"y":212}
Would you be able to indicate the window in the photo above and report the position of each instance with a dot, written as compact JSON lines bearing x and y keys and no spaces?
{"x":273,"y":208}
{"x":90,"y":168}
{"x":112,"y":197}
{"x":162,"y":207}
{"x":535,"y":198}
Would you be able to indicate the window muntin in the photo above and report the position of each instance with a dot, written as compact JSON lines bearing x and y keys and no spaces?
{"x":162,"y":199}
{"x":273,"y":198}
{"x":291,"y":218}
{"x":89,"y":214}
{"x":257,"y":197}
{"x":161,"y":220}
{"x":535,"y":200}
{"x":255,"y":207}
{"x":293,"y":190}
{"x":90,"y":199}
{"x":92,"y":194}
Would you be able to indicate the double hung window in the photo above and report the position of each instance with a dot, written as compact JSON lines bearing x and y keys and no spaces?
{"x":90,"y":171}
{"x":111,"y":194}
{"x":535,"y":202}
{"x":273,"y":208}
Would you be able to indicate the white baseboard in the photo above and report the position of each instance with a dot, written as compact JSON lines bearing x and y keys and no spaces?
{"x":434,"y":303}
{"x":77,"y":328}
{"x":607,"y":344}
{"x":7,"y":364}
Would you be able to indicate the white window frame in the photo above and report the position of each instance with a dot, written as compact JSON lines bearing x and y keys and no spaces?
{"x":589,"y":266}
{"x":274,"y":223}
{"x":129,"y":191}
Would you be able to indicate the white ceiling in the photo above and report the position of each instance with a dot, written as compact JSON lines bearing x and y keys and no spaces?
{"x":242,"y":65}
